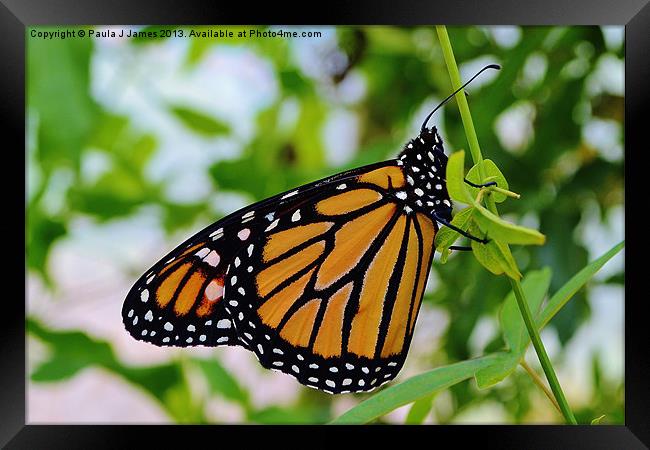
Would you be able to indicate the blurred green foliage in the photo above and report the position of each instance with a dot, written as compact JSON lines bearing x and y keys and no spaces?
{"x":557,"y":172}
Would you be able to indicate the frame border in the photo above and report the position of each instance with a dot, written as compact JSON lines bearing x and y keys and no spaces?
{"x":17,"y":15}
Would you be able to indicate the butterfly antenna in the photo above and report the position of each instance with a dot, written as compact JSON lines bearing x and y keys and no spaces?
{"x":490,"y":66}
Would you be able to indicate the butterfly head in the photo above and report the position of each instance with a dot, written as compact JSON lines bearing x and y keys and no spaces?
{"x":425,"y":165}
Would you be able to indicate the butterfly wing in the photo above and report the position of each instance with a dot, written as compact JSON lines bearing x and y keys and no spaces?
{"x":179,"y":301}
{"x":329,"y":292}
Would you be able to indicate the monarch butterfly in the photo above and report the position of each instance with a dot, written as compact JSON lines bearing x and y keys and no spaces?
{"x":323,"y":282}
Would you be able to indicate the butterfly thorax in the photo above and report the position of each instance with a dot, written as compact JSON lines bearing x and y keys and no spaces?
{"x":425,"y":163}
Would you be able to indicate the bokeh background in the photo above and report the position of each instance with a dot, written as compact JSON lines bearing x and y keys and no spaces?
{"x":136,"y":144}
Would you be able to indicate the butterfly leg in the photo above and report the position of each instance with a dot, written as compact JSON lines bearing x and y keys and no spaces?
{"x":491,"y":183}
{"x":460,"y":248}
{"x":455,"y":228}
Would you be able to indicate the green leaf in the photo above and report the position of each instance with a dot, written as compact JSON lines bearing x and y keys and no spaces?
{"x":42,"y":233}
{"x":597,"y":420}
{"x":72,"y":351}
{"x":308,"y":145}
{"x":497,"y":371}
{"x":495,"y":256}
{"x":535,"y":286}
{"x":220,"y":380}
{"x":496,"y":227}
{"x":412,"y":389}
{"x":568,"y":290}
{"x":58,"y":94}
{"x":199,"y":121}
{"x":183,"y":406}
{"x":444,"y":255}
{"x":420,"y":410}
{"x":492,"y":173}
{"x":456,"y":186}
{"x":504,"y":231}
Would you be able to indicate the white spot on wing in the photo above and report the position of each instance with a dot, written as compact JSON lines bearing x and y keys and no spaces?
{"x":214,"y":290}
{"x":212,"y":258}
{"x":223,"y":323}
{"x":273,"y":225}
{"x":290,"y":194}
{"x":203,"y":252}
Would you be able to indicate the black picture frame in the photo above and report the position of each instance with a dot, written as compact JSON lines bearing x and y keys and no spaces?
{"x":17,"y":15}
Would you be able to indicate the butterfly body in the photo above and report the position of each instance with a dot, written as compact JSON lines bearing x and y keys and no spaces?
{"x":323,"y":282}
{"x":425,"y":164}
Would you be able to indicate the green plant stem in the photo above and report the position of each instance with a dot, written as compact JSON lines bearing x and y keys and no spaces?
{"x":505,"y":192}
{"x":541,"y":353}
{"x":463,"y":106}
{"x":475,"y":151}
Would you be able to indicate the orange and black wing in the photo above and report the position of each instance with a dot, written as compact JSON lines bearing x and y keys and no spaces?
{"x":180,"y":301}
{"x":330,"y":292}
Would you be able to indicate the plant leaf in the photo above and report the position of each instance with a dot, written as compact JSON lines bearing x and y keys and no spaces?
{"x":495,"y":256}
{"x":420,"y":410}
{"x":455,"y":178}
{"x":535,"y":286}
{"x":504,"y":231}
{"x":492,"y":173}
{"x":568,"y":290}
{"x":597,"y":420}
{"x":413,"y":389}
{"x":497,"y":371}
{"x":220,"y":381}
